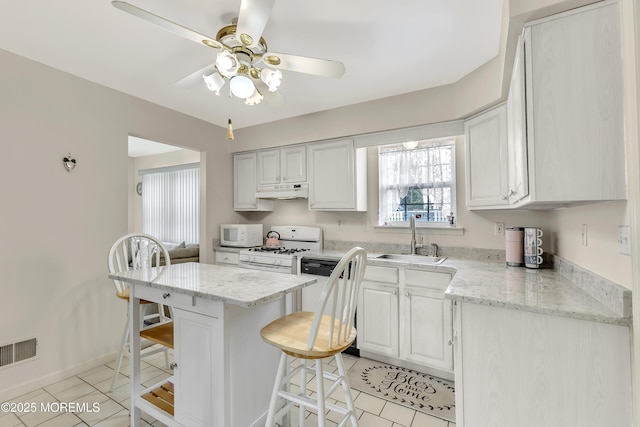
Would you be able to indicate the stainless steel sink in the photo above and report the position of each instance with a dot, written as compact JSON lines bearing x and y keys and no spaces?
{"x":416,"y":259}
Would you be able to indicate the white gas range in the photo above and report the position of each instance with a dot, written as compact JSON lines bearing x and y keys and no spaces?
{"x":293,"y":241}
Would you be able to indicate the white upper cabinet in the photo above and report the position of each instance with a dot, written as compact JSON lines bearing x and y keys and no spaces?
{"x":245,"y":184}
{"x":574,"y":105}
{"x":517,"y":131}
{"x":337,"y":176}
{"x":486,"y":159}
{"x":282,"y":166}
{"x":563,"y":142}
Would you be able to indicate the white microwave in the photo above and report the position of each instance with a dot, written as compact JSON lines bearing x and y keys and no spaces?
{"x":241,"y":235}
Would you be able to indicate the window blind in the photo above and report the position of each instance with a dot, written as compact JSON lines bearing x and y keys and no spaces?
{"x":171,"y":203}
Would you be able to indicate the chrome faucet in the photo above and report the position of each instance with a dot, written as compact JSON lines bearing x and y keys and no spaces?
{"x":412,"y":224}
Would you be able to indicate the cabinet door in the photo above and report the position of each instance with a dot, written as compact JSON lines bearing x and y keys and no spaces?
{"x":378,"y":318}
{"x":426,"y":332}
{"x":516,"y":126}
{"x":426,"y":325}
{"x":194,"y":372}
{"x":268,"y":167}
{"x":245,"y":184}
{"x":575,"y":106}
{"x":332,"y":176}
{"x":486,"y":159}
{"x":293,"y":164}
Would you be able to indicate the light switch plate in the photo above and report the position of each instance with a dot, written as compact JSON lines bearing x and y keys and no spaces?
{"x":624,"y":239}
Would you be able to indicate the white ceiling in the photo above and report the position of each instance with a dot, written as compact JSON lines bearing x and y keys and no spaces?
{"x":388,"y":48}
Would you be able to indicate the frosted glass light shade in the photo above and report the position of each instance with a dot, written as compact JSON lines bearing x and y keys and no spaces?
{"x":272,"y":78}
{"x":241,"y":86}
{"x":214,"y":82}
{"x":254,"y":99}
{"x":227,"y":63}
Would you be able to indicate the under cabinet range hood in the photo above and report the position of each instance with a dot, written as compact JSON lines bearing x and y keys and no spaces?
{"x":284,"y":191}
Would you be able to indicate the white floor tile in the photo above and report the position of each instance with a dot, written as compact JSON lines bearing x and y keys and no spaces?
{"x":424,"y":420}
{"x":400,"y":415}
{"x":63,"y":420}
{"x":370,"y":420}
{"x":369,"y":403}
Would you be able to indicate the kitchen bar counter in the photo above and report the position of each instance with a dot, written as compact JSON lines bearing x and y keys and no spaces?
{"x":230,"y":285}
{"x":223,"y":371}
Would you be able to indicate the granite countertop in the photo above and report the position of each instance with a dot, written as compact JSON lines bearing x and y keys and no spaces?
{"x":542,"y":291}
{"x":493,"y":283}
{"x":230,"y":285}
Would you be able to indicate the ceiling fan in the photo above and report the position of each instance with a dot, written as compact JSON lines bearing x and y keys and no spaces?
{"x":242,"y":56}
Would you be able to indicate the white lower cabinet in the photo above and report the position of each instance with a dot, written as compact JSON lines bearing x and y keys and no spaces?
{"x":402,"y":314}
{"x":525,"y":369}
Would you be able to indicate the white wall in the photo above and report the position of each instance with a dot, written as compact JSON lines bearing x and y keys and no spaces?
{"x":57,"y":227}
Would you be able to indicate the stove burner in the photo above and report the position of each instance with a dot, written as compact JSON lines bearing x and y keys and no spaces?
{"x":277,"y":250}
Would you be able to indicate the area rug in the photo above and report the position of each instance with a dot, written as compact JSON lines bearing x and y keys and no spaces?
{"x":422,"y":392}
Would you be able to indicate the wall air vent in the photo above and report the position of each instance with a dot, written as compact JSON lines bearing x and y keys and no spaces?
{"x":17,"y":351}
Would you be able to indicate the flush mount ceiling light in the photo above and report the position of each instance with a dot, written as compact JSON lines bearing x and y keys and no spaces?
{"x":242,"y":54}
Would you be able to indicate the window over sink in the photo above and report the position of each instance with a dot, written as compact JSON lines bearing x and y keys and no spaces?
{"x":417,"y":178}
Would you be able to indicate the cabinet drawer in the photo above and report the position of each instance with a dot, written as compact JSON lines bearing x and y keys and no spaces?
{"x":427,"y":279}
{"x":227,"y":257}
{"x":181,"y":301}
{"x":381,"y":274}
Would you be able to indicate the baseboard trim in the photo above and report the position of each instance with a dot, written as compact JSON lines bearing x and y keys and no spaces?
{"x":29,"y":386}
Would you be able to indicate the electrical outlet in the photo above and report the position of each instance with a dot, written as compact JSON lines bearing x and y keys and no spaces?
{"x":584,"y":234}
{"x":624,"y":240}
{"x":498,"y":229}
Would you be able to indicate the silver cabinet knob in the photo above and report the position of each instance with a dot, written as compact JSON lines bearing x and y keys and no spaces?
{"x":166,"y":295}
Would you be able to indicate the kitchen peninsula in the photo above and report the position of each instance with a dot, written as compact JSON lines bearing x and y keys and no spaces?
{"x":223,"y":371}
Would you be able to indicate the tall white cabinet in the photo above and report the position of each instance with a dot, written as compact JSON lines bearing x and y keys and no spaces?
{"x":563,"y":141}
{"x":575,"y":105}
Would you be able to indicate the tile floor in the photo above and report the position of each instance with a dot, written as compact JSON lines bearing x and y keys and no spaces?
{"x":91,"y":387}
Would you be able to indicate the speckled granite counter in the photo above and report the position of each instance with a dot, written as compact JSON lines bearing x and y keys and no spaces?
{"x":542,"y":291}
{"x":231,"y":285}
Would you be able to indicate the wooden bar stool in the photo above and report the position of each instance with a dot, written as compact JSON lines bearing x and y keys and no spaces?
{"x":133,"y":252}
{"x":317,"y":336}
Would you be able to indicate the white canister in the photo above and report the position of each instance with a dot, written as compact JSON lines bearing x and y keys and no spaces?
{"x":514,"y":246}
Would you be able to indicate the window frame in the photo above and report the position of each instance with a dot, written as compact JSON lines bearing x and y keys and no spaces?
{"x":452,"y":184}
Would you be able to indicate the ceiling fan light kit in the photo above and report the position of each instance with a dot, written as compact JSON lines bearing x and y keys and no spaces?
{"x":243,"y":57}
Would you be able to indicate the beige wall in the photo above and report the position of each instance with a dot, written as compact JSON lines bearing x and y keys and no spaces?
{"x":57,"y":227}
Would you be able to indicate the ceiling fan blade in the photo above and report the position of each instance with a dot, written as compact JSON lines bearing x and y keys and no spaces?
{"x":167,"y":25}
{"x":303,"y":64}
{"x":196,"y":77}
{"x":252,"y":19}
